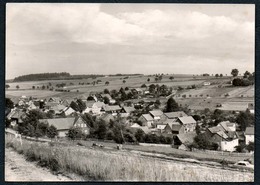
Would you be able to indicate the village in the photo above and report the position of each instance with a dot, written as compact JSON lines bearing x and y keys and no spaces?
{"x":148,"y":114}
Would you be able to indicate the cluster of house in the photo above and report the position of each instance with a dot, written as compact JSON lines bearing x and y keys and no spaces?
{"x":178,"y":124}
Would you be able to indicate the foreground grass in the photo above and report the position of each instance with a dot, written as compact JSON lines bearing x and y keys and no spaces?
{"x":107,"y":166}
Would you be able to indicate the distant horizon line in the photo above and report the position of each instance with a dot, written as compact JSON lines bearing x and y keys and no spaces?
{"x":123,"y":74}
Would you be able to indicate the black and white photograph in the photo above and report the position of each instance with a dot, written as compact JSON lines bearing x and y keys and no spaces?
{"x":129,"y":92}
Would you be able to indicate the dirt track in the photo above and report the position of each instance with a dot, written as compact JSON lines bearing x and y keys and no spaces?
{"x":18,"y":169}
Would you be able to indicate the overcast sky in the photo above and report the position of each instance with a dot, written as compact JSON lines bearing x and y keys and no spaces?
{"x":129,"y":38}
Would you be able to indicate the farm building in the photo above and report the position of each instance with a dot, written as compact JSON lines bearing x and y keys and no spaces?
{"x":146,"y":119}
{"x":64,"y":124}
{"x":188,"y":122}
{"x":223,"y":136}
{"x":250,"y":135}
{"x":182,"y":141}
{"x":164,"y":129}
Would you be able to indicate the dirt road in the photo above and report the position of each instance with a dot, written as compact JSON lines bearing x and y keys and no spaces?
{"x":18,"y":169}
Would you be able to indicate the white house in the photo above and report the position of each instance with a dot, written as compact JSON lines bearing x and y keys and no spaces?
{"x":250,"y":135}
{"x":229,"y":145}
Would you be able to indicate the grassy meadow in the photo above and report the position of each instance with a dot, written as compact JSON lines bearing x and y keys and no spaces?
{"x":101,"y":165}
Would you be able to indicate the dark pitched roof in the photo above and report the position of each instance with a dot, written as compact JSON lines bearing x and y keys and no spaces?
{"x":250,"y":131}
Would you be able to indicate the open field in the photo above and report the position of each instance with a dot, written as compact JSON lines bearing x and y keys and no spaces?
{"x":199,"y":98}
{"x":96,"y":165}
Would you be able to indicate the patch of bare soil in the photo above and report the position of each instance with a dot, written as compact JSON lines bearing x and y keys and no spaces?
{"x":18,"y":169}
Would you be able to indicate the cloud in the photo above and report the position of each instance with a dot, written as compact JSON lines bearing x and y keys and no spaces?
{"x":152,"y":38}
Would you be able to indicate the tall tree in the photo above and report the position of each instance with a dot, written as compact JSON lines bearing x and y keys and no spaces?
{"x":51,"y":132}
{"x":234,"y":72}
{"x":171,"y":105}
{"x":101,"y":130}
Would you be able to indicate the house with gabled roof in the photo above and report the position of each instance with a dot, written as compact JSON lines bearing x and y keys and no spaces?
{"x":182,"y":141}
{"x":16,"y":116}
{"x":147,"y":120}
{"x":223,"y":136}
{"x":188,"y":122}
{"x":64,"y":124}
{"x":249,"y":135}
{"x":164,"y":128}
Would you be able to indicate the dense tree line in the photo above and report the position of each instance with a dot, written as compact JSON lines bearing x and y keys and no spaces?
{"x":53,"y":76}
{"x":41,"y":76}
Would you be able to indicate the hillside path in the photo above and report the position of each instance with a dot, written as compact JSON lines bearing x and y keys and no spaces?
{"x":18,"y":169}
